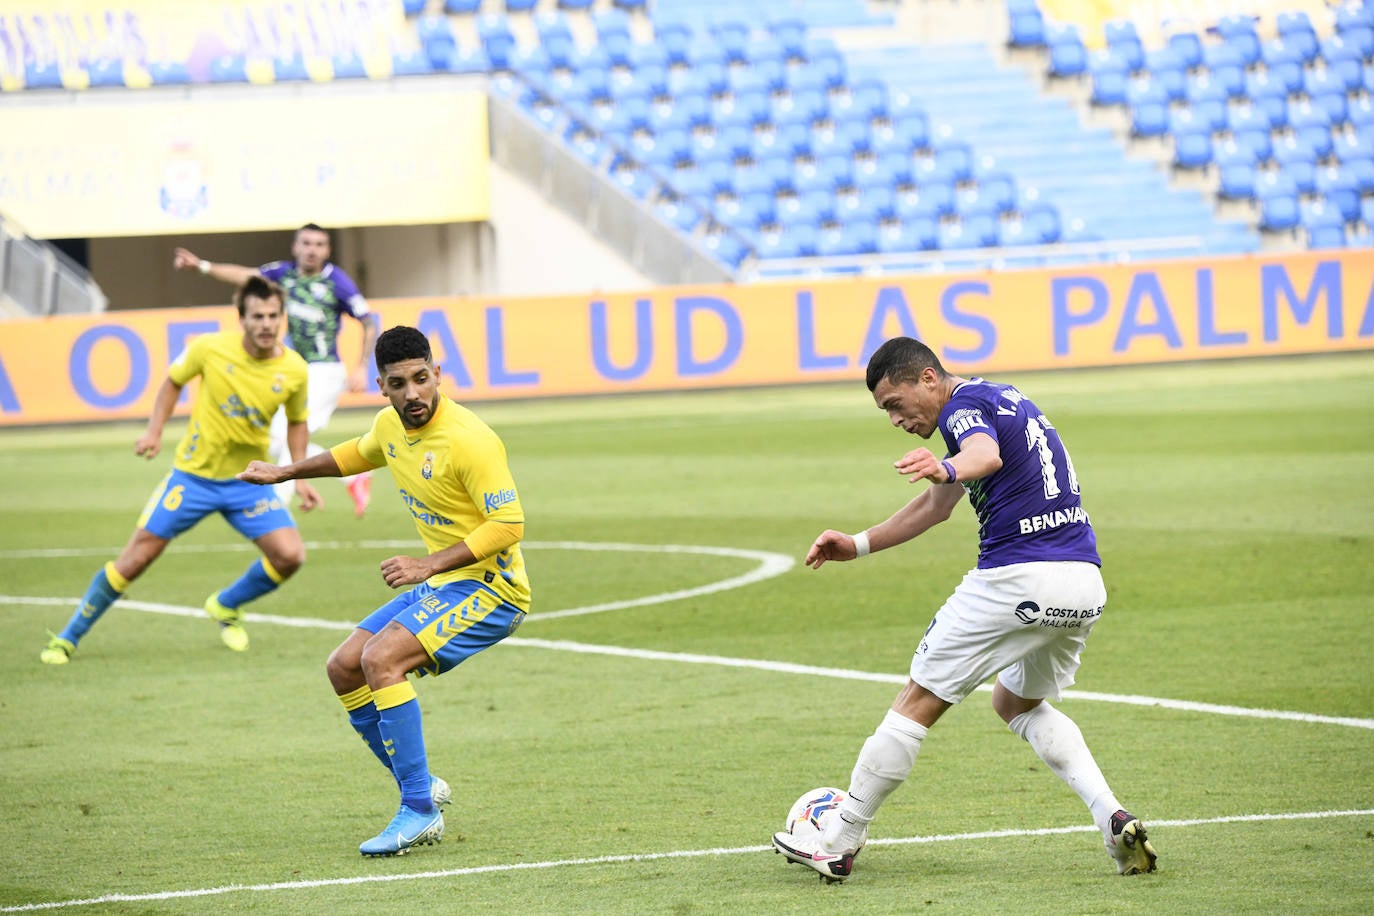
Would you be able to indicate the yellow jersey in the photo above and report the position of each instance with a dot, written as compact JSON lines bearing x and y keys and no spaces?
{"x":235,"y":402}
{"x":453,"y":475}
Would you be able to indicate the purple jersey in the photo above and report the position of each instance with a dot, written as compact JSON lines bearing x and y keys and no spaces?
{"x":315,"y":306}
{"x":1029,"y":510}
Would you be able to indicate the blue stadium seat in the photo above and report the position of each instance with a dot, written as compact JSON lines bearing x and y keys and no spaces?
{"x":1237,"y":182}
{"x":171,"y":73}
{"x":1026,"y":29}
{"x":1109,"y":85}
{"x":1203,"y":88}
{"x":459,"y":7}
{"x":228,"y":68}
{"x":1188,"y":47}
{"x":933,"y":200}
{"x":1150,"y":119}
{"x":1044,"y":221}
{"x":1292,"y":149}
{"x":611,"y":22}
{"x":1278,"y":212}
{"x":1325,"y":237}
{"x":1247,"y":47}
{"x":1225,"y":54}
{"x":790,"y":34}
{"x":1068,"y":58}
{"x":1361,"y":172}
{"x":732,"y":38}
{"x":1258,"y":139}
{"x":1362,"y":37}
{"x":106,"y":72}
{"x":1192,"y":149}
{"x":1231,"y":151}
{"x":675,"y":38}
{"x":1303,"y":173}
{"x":1297,"y":50}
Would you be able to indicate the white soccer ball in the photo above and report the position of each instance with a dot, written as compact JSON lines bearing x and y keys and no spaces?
{"x":813,"y":811}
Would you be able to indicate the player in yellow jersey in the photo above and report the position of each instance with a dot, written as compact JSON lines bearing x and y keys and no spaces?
{"x":467,"y":593}
{"x":245,"y":375}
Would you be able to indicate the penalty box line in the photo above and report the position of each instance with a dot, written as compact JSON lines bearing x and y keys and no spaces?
{"x":633,"y":858}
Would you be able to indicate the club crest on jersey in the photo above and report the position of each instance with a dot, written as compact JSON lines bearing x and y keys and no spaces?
{"x":278,"y":383}
{"x":391,"y":449}
{"x":427,"y":469}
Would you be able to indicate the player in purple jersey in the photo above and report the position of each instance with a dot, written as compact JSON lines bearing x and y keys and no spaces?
{"x":1023,"y":614}
{"x":318,"y":296}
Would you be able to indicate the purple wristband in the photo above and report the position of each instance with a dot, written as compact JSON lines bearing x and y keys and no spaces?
{"x":949,"y":469}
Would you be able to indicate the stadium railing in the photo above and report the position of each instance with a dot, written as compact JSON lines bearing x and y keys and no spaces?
{"x":42,"y":280}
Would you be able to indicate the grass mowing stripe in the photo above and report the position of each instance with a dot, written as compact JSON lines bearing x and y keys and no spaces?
{"x":750,"y":663}
{"x":653,"y":857}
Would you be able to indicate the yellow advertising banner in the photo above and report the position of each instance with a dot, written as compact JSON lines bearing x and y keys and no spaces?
{"x":225,"y":163}
{"x":109,"y":366}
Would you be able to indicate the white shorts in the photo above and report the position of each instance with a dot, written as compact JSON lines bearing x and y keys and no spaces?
{"x":1026,"y":623}
{"x":326,"y":384}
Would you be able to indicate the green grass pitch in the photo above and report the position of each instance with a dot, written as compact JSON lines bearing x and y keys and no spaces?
{"x":637,"y":758}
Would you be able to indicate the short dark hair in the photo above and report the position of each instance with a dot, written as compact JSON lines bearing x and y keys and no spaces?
{"x":401,"y":343}
{"x":311,"y":227}
{"x":902,"y":359}
{"x":258,"y":288}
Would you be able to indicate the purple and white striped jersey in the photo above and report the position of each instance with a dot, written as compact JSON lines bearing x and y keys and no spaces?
{"x":1030,"y":509}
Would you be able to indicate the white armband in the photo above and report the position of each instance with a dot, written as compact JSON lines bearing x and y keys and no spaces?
{"x":861,"y":547}
{"x":204,"y":266}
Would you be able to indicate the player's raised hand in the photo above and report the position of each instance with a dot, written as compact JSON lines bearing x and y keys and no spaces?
{"x":917,"y":464}
{"x":831,"y":545}
{"x":183,"y":259}
{"x":261,"y":472}
{"x":402,"y":571}
{"x":148,"y":445}
{"x":309,"y":496}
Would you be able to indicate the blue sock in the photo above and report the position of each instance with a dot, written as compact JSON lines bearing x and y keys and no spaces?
{"x":366,"y":722}
{"x":404,"y":739}
{"x":260,"y":579}
{"x":100,"y":594}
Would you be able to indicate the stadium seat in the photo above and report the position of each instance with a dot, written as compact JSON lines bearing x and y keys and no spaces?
{"x":1278,"y":212}
{"x":1237,"y":182}
{"x":459,"y":7}
{"x":1188,"y":47}
{"x":106,"y":72}
{"x":1068,"y":58}
{"x":1192,"y":149}
{"x":1109,"y":85}
{"x":229,"y":68}
{"x":1150,"y":119}
{"x":790,"y":34}
{"x":1325,"y":237}
{"x":1026,"y":29}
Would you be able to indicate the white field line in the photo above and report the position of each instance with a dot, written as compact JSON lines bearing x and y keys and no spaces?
{"x":727,"y":662}
{"x":647,"y":857}
{"x":769,"y":565}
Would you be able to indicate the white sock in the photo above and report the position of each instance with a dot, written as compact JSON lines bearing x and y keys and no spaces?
{"x":1057,"y":740}
{"x":883,"y":765}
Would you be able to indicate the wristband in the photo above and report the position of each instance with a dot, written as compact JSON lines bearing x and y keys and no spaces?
{"x":861,"y":547}
{"x":204,"y":266}
{"x":949,"y":469}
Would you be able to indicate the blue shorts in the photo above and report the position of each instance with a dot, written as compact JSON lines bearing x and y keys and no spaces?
{"x":453,"y":622}
{"x":183,"y":499}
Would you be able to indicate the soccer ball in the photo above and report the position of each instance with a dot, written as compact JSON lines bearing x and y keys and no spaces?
{"x":813,"y":810}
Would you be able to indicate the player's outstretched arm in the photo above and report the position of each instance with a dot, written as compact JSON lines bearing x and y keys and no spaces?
{"x":831,"y":545}
{"x":233,"y":274}
{"x":150,"y":443}
{"x":321,"y":465}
